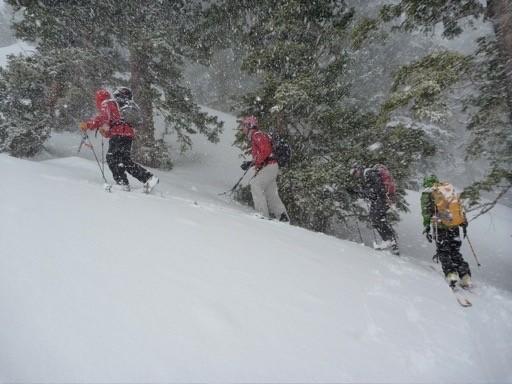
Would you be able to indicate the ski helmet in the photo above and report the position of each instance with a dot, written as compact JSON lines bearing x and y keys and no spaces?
{"x":357,"y":169}
{"x":250,"y":122}
{"x":123,"y":93}
{"x":429,"y":181}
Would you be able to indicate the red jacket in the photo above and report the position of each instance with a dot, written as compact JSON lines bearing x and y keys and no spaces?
{"x":261,"y":149}
{"x":108,"y":114}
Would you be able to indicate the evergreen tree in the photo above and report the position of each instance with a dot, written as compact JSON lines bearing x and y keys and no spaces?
{"x":148,"y":43}
{"x":299,"y":50}
{"x":425,"y":86}
{"x":24,"y":117}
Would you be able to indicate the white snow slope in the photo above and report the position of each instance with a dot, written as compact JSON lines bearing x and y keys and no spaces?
{"x":185,"y":286}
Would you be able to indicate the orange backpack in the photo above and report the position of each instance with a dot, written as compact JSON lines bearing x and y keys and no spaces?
{"x":449,"y":209}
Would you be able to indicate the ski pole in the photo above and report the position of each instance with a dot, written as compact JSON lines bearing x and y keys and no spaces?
{"x":236,"y":185}
{"x":395,"y":235}
{"x":81,"y":144}
{"x":473,"y":251}
{"x":86,"y":137}
{"x":435,"y":224}
{"x":435,"y":258}
{"x":102,"y":154}
{"x":371,"y":223}
{"x":359,"y":231}
{"x":374,"y":236}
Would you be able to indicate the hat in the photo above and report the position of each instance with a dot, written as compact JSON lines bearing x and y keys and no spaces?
{"x":250,"y":122}
{"x":429,"y":181}
{"x":123,"y":93}
{"x":356,"y":169}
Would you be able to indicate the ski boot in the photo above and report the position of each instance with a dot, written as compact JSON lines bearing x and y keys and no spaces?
{"x":386,"y":244}
{"x":150,"y":184}
{"x":124,"y":187}
{"x":452,"y":278}
{"x":466,"y":282}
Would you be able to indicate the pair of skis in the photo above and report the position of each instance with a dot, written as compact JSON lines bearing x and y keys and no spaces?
{"x":393,"y":251}
{"x":146,"y":190}
{"x":458,"y":292}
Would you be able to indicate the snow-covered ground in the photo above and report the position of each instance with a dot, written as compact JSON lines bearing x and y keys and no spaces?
{"x":184,"y":285}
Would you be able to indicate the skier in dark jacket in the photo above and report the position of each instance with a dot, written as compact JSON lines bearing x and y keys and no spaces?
{"x":372,"y":188}
{"x":110,"y":124}
{"x":447,"y":237}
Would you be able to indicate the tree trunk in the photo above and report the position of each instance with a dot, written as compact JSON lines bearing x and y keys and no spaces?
{"x":144,"y":142}
{"x":279,"y":128}
{"x":500,"y":13}
{"x":55,"y":92}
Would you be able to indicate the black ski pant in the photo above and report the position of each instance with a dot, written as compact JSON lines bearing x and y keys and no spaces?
{"x":448,"y":245}
{"x":119,"y":161}
{"x":379,"y":220}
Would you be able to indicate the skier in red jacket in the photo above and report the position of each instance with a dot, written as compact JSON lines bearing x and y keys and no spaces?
{"x":111,"y":125}
{"x":263,"y":184}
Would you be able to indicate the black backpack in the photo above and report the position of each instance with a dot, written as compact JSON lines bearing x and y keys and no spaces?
{"x":131,"y":114}
{"x":281,"y":150}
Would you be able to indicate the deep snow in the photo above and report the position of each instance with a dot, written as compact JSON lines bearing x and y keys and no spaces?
{"x":186,"y":286}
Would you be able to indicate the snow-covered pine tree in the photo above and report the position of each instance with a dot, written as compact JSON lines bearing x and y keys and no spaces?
{"x":64,"y":74}
{"x":144,"y":43}
{"x":299,"y":50}
{"x":24,"y":116}
{"x":159,"y":37}
{"x":424,"y":86}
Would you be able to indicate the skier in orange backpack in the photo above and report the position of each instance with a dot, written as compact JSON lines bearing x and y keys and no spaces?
{"x":442,"y":210}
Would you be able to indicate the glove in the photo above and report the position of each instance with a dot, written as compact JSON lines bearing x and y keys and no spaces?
{"x":465,"y":229}
{"x":104,"y":130}
{"x":83,"y":126}
{"x":427,"y":234}
{"x":246,"y":165}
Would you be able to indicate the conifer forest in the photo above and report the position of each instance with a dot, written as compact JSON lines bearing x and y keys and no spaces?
{"x":422,"y":86}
